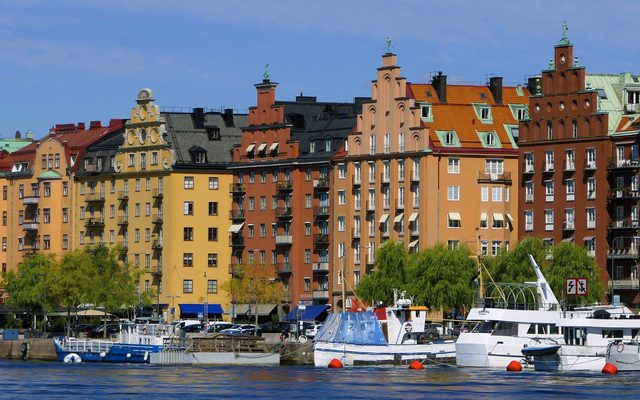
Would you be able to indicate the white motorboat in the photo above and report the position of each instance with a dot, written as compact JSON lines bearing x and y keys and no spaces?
{"x":624,"y":355}
{"x":389,"y":335}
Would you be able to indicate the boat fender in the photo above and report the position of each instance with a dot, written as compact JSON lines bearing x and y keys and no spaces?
{"x":24,"y":350}
{"x":146,"y":355}
{"x":610,"y":369}
{"x":103,"y":354}
{"x":335,"y":363}
{"x":128,"y":356}
{"x":415,"y":364}
{"x":408,"y":327}
{"x":72,"y":358}
{"x":514,"y":366}
{"x":620,"y":347}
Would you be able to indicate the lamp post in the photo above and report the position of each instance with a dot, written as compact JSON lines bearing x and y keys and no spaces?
{"x":206,"y":301}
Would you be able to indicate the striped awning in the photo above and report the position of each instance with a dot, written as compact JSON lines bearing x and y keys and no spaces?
{"x":414,"y":243}
{"x":384,"y":218}
{"x":398,"y":218}
{"x":235,"y":228}
{"x":251,"y":147}
{"x":454,"y":216}
{"x":262,"y":147}
{"x":413,"y":217}
{"x":274,"y":146}
{"x":498,"y":217}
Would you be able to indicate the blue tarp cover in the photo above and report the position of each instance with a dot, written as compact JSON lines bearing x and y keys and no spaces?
{"x":352,"y":328}
{"x":199,"y":309}
{"x":310,"y":313}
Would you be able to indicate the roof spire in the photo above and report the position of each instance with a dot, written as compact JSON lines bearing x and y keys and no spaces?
{"x":388,"y":44}
{"x":564,"y":40}
{"x":265,"y":74}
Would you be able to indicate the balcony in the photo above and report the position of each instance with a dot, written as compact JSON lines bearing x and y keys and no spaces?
{"x":624,"y":194}
{"x":95,"y":197}
{"x":628,"y":253}
{"x":355,"y":233}
{"x":123,"y":220}
{"x":321,"y":184}
{"x":157,"y":193}
{"x":285,"y":240}
{"x":123,"y":195}
{"x":156,"y":245}
{"x":632,"y":108}
{"x":285,"y":186}
{"x":320,"y":295}
{"x":384,"y":178}
{"x":30,"y":200}
{"x":321,"y":239}
{"x":236,"y":240}
{"x":321,"y":211}
{"x":355,"y":179}
{"x":528,"y":168}
{"x":321,"y":267}
{"x":30,"y":226}
{"x":590,"y":165}
{"x":283,"y":268}
{"x":157,"y":219}
{"x":236,"y":215}
{"x":569,"y":166}
{"x":357,"y":205}
{"x":236,"y":270}
{"x":237,"y":188}
{"x":549,"y":167}
{"x":504,"y":177}
{"x":623,"y":225}
{"x":156,"y":270}
{"x":284,"y":212}
{"x":125,"y":245}
{"x":622,"y":164}
{"x":622,"y":284}
{"x":94,"y":223}
{"x":528,"y":197}
{"x":568,"y":226}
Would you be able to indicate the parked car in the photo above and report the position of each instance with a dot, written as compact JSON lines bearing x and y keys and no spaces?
{"x":219,"y":326}
{"x":432,"y":331}
{"x":246,"y":329}
{"x":193,"y":328}
{"x":275,"y":327}
{"x":98,"y":331}
{"x":312,"y":330}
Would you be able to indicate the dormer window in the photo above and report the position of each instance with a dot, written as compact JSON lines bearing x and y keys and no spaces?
{"x":485,"y":113}
{"x":425,"y":112}
{"x":450,"y":138}
{"x":213,"y":133}
{"x":602,"y":94}
{"x":312,"y":147}
{"x":198,"y":155}
{"x":327,"y":144}
{"x":491,"y":141}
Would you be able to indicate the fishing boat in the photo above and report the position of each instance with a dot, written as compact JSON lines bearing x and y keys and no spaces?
{"x":133,"y":344}
{"x":387,"y":335}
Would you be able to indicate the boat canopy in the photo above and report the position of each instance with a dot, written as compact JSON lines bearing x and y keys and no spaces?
{"x":352,"y":328}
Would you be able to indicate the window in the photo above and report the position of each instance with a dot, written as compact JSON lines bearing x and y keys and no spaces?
{"x":549,"y":190}
{"x":213,"y":208}
{"x":485,"y":113}
{"x":602,"y":94}
{"x":495,"y":247}
{"x":47,"y":189}
{"x":187,"y":259}
{"x":528,"y":162}
{"x":494,"y":167}
{"x":65,"y":215}
{"x":548,"y":220}
{"x":341,"y":224}
{"x":252,"y":203}
{"x":484,"y":247}
{"x":386,"y":144}
{"x":250,"y":231}
{"x":591,"y":218}
{"x":212,"y":260}
{"x":591,"y":159}
{"x":263,"y":176}
{"x":188,"y":182}
{"x":549,"y":131}
{"x":137,"y":233}
{"x":425,"y":111}
{"x":46,"y":214}
{"x":491,"y":139}
{"x":484,"y":193}
{"x":453,"y":220}
{"x":342,"y":198}
{"x":57,"y":162}
{"x":528,"y":220}
{"x":496,"y":193}
{"x":307,"y":201}
{"x":574,"y":129}
{"x":132,"y":160}
{"x":591,"y":188}
{"x":453,"y":244}
{"x":188,"y":208}
{"x":188,"y":234}
{"x":528,"y":191}
{"x":274,"y":202}
{"x":187,"y":286}
{"x":450,"y":138}
{"x":568,"y":222}
{"x":570,"y":186}
{"x":548,"y":157}
{"x":453,"y":193}
{"x":212,"y":286}
{"x":147,"y":209}
{"x":137,"y":210}
{"x":213,"y":234}
{"x":307,"y":256}
{"x":454,"y":166}
{"x":307,"y":284}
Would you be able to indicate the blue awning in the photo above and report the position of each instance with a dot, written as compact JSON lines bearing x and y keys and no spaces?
{"x":192,"y":310}
{"x":311,"y":313}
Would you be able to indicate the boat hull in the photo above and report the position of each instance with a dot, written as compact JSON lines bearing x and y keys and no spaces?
{"x":625,"y":356}
{"x":351,"y":354}
{"x":103,"y":351}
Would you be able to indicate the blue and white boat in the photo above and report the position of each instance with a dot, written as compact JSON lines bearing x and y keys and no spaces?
{"x":134,"y":344}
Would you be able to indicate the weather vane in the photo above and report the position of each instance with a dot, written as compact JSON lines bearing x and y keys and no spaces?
{"x":565,"y":28}
{"x":388,"y":44}
{"x":265,"y":75}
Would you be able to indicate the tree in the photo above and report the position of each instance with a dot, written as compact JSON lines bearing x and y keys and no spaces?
{"x":515,"y":266}
{"x":440,"y":278}
{"x":391,"y":260}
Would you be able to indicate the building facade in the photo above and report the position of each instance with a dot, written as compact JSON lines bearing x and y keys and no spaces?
{"x":579,"y":163}
{"x":426,"y":164}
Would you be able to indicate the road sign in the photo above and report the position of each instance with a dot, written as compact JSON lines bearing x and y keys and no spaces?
{"x":576,"y":287}
{"x":200,"y":316}
{"x":571,"y":286}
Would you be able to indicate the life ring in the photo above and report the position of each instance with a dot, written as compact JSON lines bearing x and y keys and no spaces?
{"x":72,"y":358}
{"x":620,"y":347}
{"x":408,"y":327}
{"x":302,"y":339}
{"x":144,"y":330}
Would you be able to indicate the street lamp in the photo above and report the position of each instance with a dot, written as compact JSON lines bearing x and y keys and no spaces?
{"x":206,"y":301}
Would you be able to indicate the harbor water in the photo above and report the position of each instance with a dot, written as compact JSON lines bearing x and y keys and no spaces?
{"x":52,"y":380}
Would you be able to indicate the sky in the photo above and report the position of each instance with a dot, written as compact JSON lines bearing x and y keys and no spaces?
{"x":69,"y":61}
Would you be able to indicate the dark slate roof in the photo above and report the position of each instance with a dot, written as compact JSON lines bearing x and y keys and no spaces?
{"x":106,"y":147}
{"x":186,"y":130}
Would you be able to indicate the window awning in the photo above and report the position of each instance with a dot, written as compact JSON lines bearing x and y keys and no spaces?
{"x":587,"y":238}
{"x":547,"y":239}
{"x":192,"y":310}
{"x":250,"y":147}
{"x":250,"y":309}
{"x":497,"y":217}
{"x":483,"y":216}
{"x":510,"y":218}
{"x":235,"y":228}
{"x":274,"y":146}
{"x":384,"y":218}
{"x":413,"y":217}
{"x":262,"y":147}
{"x":310,"y":313}
{"x":398,"y":218}
{"x":567,"y":240}
{"x":414,"y":243}
{"x":454,"y":216}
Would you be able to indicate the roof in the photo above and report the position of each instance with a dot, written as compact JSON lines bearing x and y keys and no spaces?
{"x":461,"y":115}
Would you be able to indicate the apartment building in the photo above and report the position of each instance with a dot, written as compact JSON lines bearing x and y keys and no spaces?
{"x":426,"y":164}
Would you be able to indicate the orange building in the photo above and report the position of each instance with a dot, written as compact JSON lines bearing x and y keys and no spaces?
{"x":427,"y":164}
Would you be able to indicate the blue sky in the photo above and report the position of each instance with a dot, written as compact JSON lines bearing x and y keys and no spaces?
{"x":69,"y":61}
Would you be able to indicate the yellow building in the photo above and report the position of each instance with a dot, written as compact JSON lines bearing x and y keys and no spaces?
{"x":160,"y":191}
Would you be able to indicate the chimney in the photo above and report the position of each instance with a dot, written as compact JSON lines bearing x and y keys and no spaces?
{"x":532,"y":85}
{"x":495,"y":86}
{"x":198,"y":118}
{"x":81,"y":126}
{"x":228,"y":117}
{"x":29,"y":134}
{"x":18,"y":135}
{"x":95,"y":124}
{"x":439,"y":83}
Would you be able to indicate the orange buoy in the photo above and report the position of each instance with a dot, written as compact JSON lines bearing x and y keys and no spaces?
{"x":335,"y":363}
{"x":514,"y":366}
{"x":610,"y":369}
{"x":415,"y":364}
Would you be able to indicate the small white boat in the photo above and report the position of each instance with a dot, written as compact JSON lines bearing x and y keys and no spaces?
{"x":391,"y":335}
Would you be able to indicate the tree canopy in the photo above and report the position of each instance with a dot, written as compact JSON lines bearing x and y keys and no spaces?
{"x":391,"y":262}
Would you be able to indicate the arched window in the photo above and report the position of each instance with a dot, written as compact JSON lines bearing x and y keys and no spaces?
{"x":549,"y":131}
{"x":574,"y":129}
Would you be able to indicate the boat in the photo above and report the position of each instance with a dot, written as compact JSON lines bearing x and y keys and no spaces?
{"x":625,"y":355}
{"x":387,"y":335}
{"x":133,"y":344}
{"x":511,"y":328}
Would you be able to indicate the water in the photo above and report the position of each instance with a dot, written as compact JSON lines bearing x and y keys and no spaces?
{"x":52,"y":380}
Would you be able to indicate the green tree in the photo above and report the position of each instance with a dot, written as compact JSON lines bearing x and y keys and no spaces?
{"x":515,"y":266}
{"x":572,"y":261}
{"x":440,"y":278}
{"x":75,"y":275}
{"x":391,"y":261}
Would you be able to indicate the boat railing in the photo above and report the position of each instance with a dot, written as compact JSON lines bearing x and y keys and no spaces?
{"x":85,"y":345}
{"x":515,"y":296}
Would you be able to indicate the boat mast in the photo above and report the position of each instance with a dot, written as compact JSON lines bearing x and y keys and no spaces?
{"x":344,"y":282}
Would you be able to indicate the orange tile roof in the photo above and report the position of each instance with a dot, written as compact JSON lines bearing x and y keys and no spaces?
{"x":458,"y":113}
